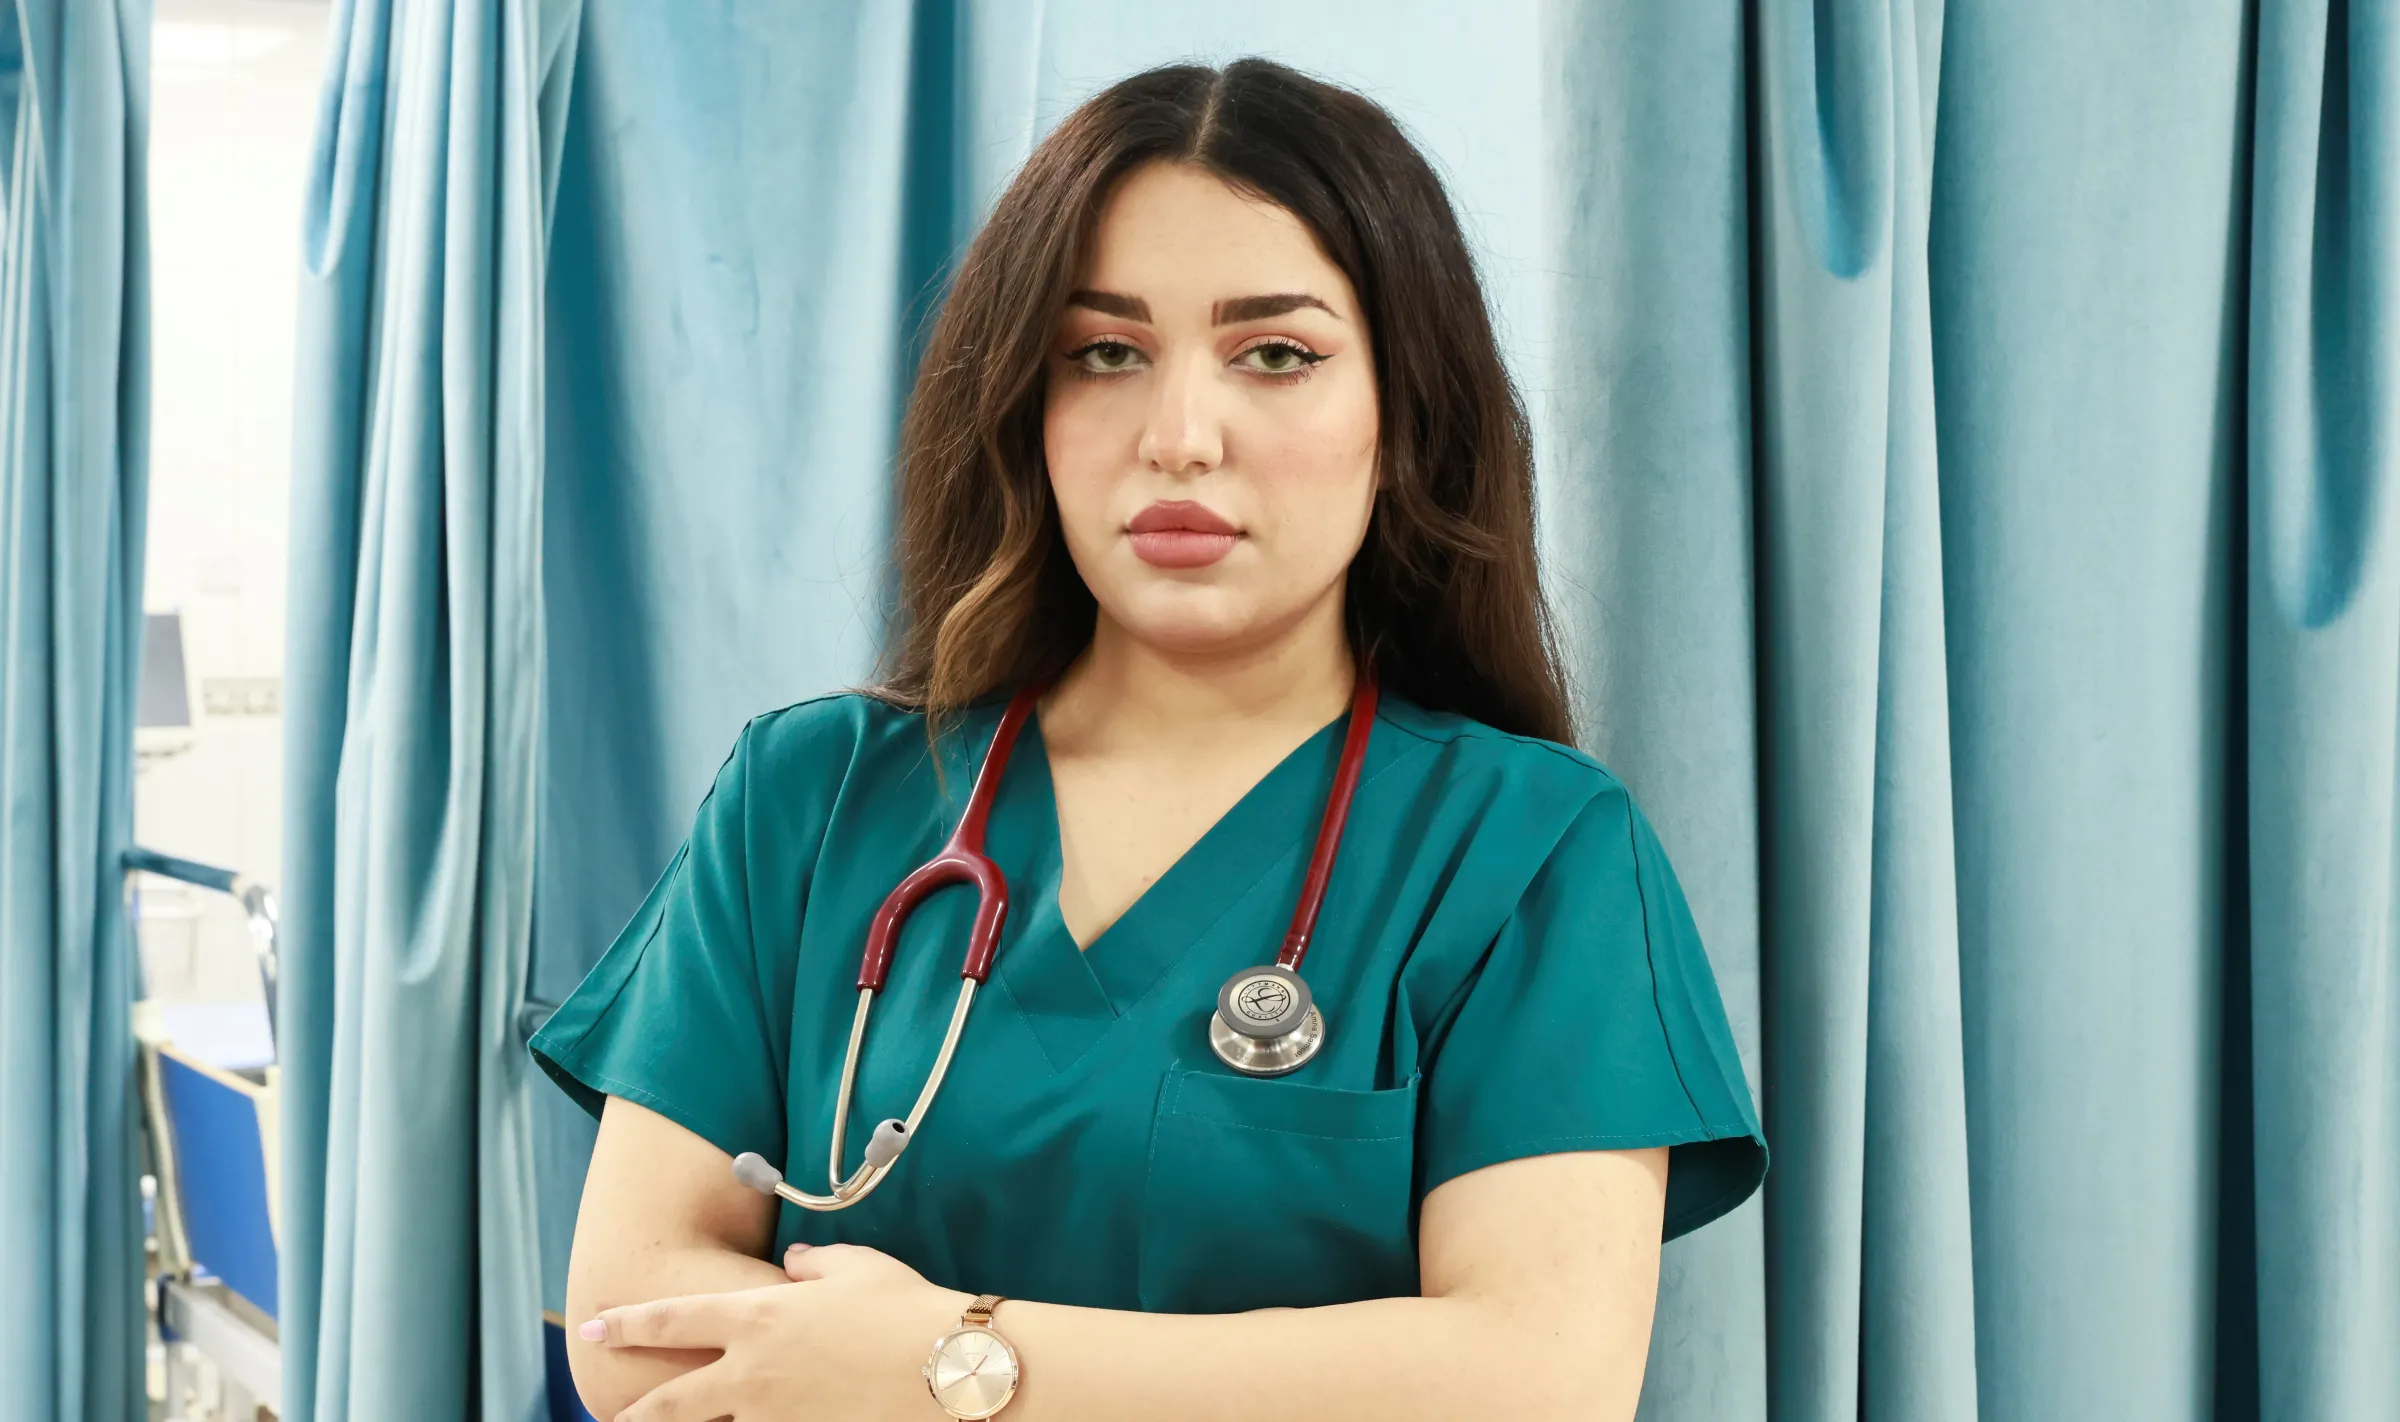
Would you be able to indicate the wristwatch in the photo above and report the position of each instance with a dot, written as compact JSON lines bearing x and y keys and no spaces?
{"x":973,"y":1370}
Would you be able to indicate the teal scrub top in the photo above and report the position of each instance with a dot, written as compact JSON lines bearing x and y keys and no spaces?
{"x":1506,"y":966}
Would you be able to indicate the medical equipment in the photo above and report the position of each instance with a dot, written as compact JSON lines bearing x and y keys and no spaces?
{"x":1266,"y":1022}
{"x":208,"y":1103}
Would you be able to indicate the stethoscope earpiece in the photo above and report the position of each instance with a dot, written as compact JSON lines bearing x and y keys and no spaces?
{"x":1266,"y":1023}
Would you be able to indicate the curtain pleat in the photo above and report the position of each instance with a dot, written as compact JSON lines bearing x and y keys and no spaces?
{"x":2321,"y":613}
{"x":416,"y":647}
{"x":74,"y":474}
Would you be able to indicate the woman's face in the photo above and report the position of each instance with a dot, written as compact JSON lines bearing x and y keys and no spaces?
{"x":1211,"y":418}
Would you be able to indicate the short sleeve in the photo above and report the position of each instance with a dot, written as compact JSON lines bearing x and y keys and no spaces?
{"x":1594,"y":1023}
{"x":674,"y":1016}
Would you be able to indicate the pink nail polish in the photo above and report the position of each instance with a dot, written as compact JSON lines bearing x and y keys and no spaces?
{"x":593,"y":1330}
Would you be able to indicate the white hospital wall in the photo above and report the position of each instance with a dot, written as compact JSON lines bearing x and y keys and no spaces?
{"x":234,"y":94}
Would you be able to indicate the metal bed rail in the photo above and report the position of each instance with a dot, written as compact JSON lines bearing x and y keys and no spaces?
{"x":257,"y":901}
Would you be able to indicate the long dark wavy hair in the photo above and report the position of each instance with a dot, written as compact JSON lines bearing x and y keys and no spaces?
{"x":1444,"y":598}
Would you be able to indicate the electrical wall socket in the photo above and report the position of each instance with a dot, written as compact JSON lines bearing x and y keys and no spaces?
{"x":241,"y":696}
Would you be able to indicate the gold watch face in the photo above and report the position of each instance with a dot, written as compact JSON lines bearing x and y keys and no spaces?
{"x":973,"y":1372}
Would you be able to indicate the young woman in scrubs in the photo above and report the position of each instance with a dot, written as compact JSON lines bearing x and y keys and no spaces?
{"x":1212,"y":424}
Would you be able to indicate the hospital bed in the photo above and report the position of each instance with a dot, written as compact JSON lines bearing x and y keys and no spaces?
{"x":207,"y":1083}
{"x":208,"y":1100}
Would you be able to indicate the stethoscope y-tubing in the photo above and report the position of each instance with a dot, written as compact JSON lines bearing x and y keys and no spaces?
{"x":960,"y":860}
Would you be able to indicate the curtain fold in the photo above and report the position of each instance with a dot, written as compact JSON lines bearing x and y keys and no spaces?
{"x":74,"y":475}
{"x":1749,"y":547}
{"x":2086,"y":257}
{"x":1858,"y":902}
{"x":2321,"y":608}
{"x":411,"y":1288}
{"x":1904,"y":471}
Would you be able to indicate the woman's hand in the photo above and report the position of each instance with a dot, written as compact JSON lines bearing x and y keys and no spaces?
{"x":845,"y":1339}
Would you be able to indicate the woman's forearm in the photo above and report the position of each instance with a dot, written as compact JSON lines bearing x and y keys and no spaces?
{"x":1532,"y":1314}
{"x":1393,"y":1359}
{"x":612,"y":1379}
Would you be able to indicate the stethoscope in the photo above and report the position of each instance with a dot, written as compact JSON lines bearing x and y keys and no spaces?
{"x":1266,"y":1023}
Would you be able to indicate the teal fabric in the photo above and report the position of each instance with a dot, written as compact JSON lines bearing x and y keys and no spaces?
{"x":2320,"y":617}
{"x":1966,"y":444}
{"x":1973,"y":502}
{"x":1504,"y":961}
{"x":413,"y":705}
{"x":74,"y":481}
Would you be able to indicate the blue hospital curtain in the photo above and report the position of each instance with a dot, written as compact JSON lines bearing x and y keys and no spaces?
{"x":1972,"y":496}
{"x":74,"y":478}
{"x":409,"y":1287}
{"x":1966,"y":442}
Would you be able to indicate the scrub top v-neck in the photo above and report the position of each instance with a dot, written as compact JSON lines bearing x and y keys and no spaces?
{"x":1506,"y":965}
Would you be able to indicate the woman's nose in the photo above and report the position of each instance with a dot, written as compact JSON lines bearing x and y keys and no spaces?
{"x":1182,"y":432}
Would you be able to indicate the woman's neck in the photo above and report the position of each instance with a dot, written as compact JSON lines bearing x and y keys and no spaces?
{"x":1124,"y":692}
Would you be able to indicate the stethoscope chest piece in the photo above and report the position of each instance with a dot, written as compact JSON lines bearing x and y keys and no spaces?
{"x":1266,"y":1024}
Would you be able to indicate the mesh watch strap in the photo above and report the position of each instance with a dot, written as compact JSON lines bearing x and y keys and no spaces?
{"x":979,"y":1313}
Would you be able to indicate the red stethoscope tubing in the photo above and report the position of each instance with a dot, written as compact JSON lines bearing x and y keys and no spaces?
{"x":962,"y":860}
{"x":1329,"y":830}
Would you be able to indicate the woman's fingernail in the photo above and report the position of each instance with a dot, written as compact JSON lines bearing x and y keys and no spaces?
{"x":593,"y":1330}
{"x":795,"y":1249}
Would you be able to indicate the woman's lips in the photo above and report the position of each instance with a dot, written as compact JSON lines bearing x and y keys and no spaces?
{"x":1182,"y":547}
{"x":1181,"y":534}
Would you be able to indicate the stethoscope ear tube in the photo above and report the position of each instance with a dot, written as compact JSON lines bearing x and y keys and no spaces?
{"x":890,"y":1138}
{"x":961,"y":860}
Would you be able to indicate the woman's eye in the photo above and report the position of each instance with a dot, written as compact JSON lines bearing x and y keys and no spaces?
{"x":1279,"y":358}
{"x":1105,"y":357}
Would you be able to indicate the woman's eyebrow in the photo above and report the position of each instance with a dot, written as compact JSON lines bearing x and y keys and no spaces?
{"x":1259,"y":308}
{"x":1110,"y":303}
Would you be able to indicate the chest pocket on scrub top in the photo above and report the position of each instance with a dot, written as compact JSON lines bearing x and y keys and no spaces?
{"x":1265,"y":1192}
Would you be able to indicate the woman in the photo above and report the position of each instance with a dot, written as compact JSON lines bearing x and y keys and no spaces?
{"x":1211,"y":455}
